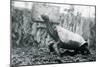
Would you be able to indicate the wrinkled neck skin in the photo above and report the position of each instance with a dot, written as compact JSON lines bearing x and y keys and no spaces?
{"x":51,"y":31}
{"x":48,"y":24}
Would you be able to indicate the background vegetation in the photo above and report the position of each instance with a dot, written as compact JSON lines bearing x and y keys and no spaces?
{"x":30,"y":40}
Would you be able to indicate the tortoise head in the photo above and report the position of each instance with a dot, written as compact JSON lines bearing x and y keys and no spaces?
{"x":45,"y":17}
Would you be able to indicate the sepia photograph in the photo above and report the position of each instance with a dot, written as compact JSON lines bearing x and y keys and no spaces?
{"x":52,"y":33}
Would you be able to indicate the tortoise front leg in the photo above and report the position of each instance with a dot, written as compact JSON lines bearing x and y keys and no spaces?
{"x":57,"y":48}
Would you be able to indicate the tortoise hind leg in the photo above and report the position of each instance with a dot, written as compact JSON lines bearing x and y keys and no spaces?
{"x":85,"y":50}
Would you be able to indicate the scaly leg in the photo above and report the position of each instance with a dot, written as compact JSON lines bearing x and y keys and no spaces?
{"x":56,"y":47}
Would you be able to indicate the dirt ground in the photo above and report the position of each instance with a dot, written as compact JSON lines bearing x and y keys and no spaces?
{"x":35,"y":56}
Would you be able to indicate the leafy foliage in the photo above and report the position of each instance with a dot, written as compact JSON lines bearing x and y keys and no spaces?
{"x":30,"y":40}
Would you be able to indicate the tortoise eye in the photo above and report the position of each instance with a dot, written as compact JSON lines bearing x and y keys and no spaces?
{"x":85,"y":52}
